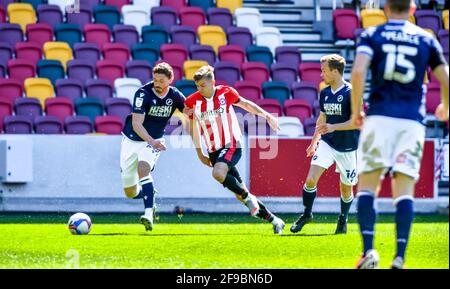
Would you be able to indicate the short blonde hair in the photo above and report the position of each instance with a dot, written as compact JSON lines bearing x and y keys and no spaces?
{"x":334,"y":61}
{"x":163,"y":68}
{"x":204,"y":72}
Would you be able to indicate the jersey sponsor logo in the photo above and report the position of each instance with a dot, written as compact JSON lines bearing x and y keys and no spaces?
{"x":169,"y":101}
{"x":211,"y":113}
{"x":340,"y":98}
{"x":160,"y":111}
{"x":139,"y":101}
{"x":333,"y":108}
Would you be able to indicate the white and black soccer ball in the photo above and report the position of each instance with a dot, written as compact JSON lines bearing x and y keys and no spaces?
{"x":79,"y":224}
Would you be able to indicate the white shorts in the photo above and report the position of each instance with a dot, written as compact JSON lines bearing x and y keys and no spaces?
{"x":131,"y":153}
{"x":391,"y":143}
{"x":325,"y":156}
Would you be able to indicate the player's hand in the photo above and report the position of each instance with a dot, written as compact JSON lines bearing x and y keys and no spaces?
{"x":156,"y":144}
{"x":325,"y":128}
{"x":311,"y":150}
{"x":205,"y":160}
{"x":273,"y":122}
{"x":188,"y":111}
{"x":358,"y":119}
{"x":441,"y":113}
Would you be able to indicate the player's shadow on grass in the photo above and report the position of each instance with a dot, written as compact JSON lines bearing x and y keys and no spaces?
{"x":150,"y":234}
{"x":308,"y":235}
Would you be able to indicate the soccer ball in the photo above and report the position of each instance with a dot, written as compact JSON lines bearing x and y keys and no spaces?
{"x":80,"y":224}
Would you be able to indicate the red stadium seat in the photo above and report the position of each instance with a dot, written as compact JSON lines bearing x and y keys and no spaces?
{"x":299,"y":108}
{"x":109,"y":124}
{"x":256,"y":72}
{"x":60,"y":107}
{"x":109,"y":70}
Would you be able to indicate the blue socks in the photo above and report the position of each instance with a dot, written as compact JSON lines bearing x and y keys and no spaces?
{"x":404,"y":216}
{"x":309,"y":195}
{"x":147,"y":191}
{"x":366,"y":218}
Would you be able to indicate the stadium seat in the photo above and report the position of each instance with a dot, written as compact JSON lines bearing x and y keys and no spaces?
{"x":50,"y":14}
{"x":60,"y":107}
{"x":227,"y":71}
{"x":272,"y":106}
{"x":240,"y":36}
{"x":445,"y":19}
{"x":22,"y":14}
{"x":109,"y":124}
{"x":2,"y":70}
{"x":155,"y":35}
{"x":126,"y":34}
{"x":79,"y":124}
{"x":7,"y":52}
{"x":6,"y":109}
{"x":309,"y":125}
{"x":69,"y":87}
{"x":232,"y":5}
{"x":97,"y":33}
{"x":192,"y":16}
{"x":58,"y":51}
{"x":2,"y":19}
{"x":177,"y":5}
{"x":34,"y":3}
{"x":187,"y":87}
{"x":90,"y":107}
{"x":127,"y":87}
{"x":87,"y":51}
{"x":60,"y":3}
{"x":177,"y":69}
{"x":305,"y":90}
{"x":117,"y":3}
{"x":268,"y":36}
{"x":288,"y":54}
{"x":232,"y":53}
{"x":17,"y":124}
{"x":443,"y":39}
{"x":345,"y":23}
{"x":139,"y":69}
{"x":30,"y":51}
{"x":109,"y":70}
{"x":38,"y":33}
{"x":412,"y":19}
{"x":80,"y":69}
{"x":429,"y":19}
{"x":106,"y":14}
{"x":164,"y":16}
{"x":212,"y":35}
{"x":433,"y":97}
{"x":203,"y":52}
{"x":255,"y":71}
{"x":248,"y":17}
{"x":283,"y":72}
{"x":116,"y":52}
{"x":21,"y":69}
{"x":148,"y":52}
{"x":100,"y":89}
{"x":220,"y":17}
{"x":90,"y":3}
{"x":310,"y":71}
{"x":10,"y":89}
{"x":11,"y":33}
{"x":81,"y":18}
{"x":185,"y":35}
{"x":147,"y":4}
{"x":70,"y":33}
{"x":174,"y":53}
{"x":28,"y":106}
{"x":174,"y":126}
{"x":120,"y":107}
{"x":276,"y":90}
{"x":40,"y":88}
{"x":204,"y":4}
{"x":51,"y":69}
{"x":136,"y":15}
{"x":299,"y":108}
{"x":248,"y":90}
{"x":191,"y":66}
{"x":260,"y":54}
{"x":372,"y":17}
{"x":290,"y":127}
{"x":48,"y":124}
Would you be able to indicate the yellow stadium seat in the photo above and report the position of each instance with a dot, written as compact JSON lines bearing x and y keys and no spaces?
{"x":430,"y":31}
{"x":230,"y":4}
{"x":372,"y":17}
{"x":22,"y":14}
{"x":40,"y":88}
{"x":322,"y":85}
{"x":212,"y":35}
{"x":191,"y":66}
{"x":58,"y":51}
{"x":445,"y":18}
{"x":96,"y":134}
{"x":412,"y":19}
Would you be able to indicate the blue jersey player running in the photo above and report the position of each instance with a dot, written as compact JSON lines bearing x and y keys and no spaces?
{"x":335,"y":140}
{"x":392,"y":137}
{"x":142,"y":142}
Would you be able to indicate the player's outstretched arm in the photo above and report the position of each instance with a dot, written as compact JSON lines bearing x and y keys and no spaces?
{"x":359,"y":72}
{"x":137,"y":121}
{"x":321,"y":120}
{"x":252,"y":107}
{"x":195,"y":135}
{"x":441,"y":73}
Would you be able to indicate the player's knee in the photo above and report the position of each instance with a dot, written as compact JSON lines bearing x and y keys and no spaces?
{"x":130,"y":192}
{"x":310,"y":182}
{"x":219,"y":175}
{"x":143,"y":169}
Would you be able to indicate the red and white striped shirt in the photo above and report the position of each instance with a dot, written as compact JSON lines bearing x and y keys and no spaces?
{"x":216,"y":118}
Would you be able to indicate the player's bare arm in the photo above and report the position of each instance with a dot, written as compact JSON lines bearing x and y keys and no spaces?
{"x":359,"y":73}
{"x":441,"y":73}
{"x":316,"y":137}
{"x":325,"y":128}
{"x":137,"y":122}
{"x":252,"y":107}
{"x":196,"y":139}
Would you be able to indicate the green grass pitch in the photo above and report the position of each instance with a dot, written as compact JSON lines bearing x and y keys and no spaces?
{"x":209,"y":241}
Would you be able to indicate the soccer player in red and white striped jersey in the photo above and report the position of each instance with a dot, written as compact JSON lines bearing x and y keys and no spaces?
{"x":215,"y":120}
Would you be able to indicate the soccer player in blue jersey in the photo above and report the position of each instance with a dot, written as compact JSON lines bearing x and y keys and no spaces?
{"x":335,"y":140}
{"x":392,"y":137}
{"x":142,"y":142}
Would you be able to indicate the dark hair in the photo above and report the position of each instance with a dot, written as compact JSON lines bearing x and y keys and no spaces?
{"x":206,"y":72}
{"x":334,"y":62}
{"x":399,"y":6}
{"x":163,"y":68}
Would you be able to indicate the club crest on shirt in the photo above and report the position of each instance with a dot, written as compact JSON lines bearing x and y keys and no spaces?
{"x":169,"y":101}
{"x":340,"y":98}
{"x":222,"y":101}
{"x":139,"y":101}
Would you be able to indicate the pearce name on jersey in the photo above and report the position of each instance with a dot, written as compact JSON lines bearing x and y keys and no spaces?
{"x":157,"y":110}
